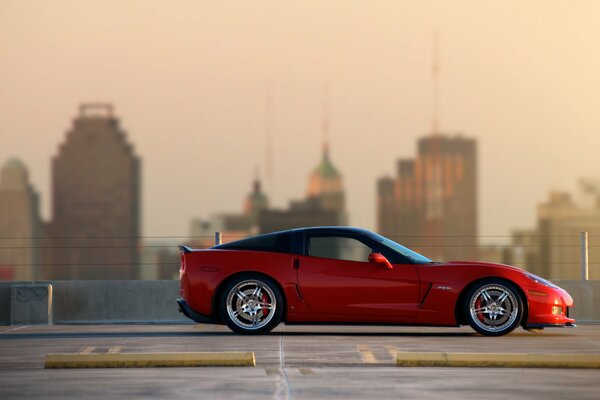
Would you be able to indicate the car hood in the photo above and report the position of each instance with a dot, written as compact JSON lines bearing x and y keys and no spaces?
{"x":481,"y":264}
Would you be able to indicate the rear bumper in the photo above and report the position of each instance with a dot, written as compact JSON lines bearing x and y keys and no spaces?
{"x":193,"y":315}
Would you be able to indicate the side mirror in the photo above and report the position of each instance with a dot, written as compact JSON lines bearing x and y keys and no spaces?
{"x":378,"y":258}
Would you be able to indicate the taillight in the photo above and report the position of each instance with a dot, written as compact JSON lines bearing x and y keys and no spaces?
{"x":181,"y":264}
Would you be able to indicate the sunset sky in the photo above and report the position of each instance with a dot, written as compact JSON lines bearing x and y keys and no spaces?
{"x":188,"y":80}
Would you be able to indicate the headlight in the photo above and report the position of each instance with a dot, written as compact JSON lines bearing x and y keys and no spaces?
{"x":541,"y":281}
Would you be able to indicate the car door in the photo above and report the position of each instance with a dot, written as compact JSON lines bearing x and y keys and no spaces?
{"x":339,"y":284}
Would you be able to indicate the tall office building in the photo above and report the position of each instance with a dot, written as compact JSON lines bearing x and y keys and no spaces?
{"x":431,"y":204}
{"x":20,"y":224}
{"x":95,"y":200}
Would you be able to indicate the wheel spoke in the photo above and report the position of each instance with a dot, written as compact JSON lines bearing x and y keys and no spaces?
{"x":486,"y":296}
{"x":241,"y":295}
{"x":502,"y":297}
{"x":482,"y":310}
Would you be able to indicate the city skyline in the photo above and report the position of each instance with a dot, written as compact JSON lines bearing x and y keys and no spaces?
{"x":193,"y":96}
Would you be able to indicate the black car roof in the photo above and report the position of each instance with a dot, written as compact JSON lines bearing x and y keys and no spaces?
{"x":332,"y":229}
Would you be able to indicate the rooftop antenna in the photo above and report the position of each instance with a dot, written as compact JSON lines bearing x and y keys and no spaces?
{"x":268,"y":131}
{"x":325,"y":124}
{"x":435,"y":73}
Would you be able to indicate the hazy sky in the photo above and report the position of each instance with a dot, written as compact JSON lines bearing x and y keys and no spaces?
{"x":189,"y":78}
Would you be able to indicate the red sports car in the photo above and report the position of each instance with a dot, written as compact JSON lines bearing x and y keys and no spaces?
{"x":354,"y":276}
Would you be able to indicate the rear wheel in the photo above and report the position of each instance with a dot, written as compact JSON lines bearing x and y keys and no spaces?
{"x":251,"y":304}
{"x":493,"y":307}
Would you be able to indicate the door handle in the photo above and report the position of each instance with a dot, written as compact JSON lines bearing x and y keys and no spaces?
{"x":296,"y":263}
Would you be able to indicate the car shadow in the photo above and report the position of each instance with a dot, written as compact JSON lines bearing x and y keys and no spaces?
{"x":367,"y":334}
{"x":80,"y":335}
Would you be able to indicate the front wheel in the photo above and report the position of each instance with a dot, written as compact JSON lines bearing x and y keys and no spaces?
{"x":251,"y":304}
{"x":494,"y":307}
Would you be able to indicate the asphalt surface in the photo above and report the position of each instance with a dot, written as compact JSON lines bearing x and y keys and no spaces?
{"x":299,"y":362}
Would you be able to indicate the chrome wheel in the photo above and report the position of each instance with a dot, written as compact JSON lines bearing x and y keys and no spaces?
{"x":251,"y":304}
{"x":494,"y":309}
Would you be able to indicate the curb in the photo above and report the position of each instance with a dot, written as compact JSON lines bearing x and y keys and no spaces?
{"x":511,"y":360}
{"x":142,"y":360}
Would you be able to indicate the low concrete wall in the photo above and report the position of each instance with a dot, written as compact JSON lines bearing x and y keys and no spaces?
{"x":586,"y":297}
{"x":106,"y":302}
{"x":5,"y":288}
{"x":116,"y":301}
{"x":154,"y":301}
{"x":31,"y":304}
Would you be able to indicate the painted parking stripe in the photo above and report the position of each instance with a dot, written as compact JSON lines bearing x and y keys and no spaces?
{"x":508,"y":360}
{"x":391,"y":349}
{"x":140,"y":360}
{"x":366,"y":354}
{"x":115,"y":350}
{"x":15,"y":329}
{"x":87,"y":350}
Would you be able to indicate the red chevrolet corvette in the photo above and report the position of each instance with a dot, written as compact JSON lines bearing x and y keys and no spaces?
{"x":354,"y":276}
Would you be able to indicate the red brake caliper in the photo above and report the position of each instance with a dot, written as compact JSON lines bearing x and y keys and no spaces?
{"x":264,"y":300}
{"x":478,"y":306}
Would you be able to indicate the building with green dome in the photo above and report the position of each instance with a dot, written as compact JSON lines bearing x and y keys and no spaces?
{"x":325,"y":184}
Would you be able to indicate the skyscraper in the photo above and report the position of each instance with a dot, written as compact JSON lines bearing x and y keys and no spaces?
{"x":431,"y":204}
{"x":20,"y":224}
{"x":95,"y":200}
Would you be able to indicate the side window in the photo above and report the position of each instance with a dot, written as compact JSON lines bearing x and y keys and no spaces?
{"x":340,"y":248}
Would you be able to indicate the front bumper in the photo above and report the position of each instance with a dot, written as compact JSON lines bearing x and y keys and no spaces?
{"x":538,"y":326}
{"x":193,"y":315}
{"x":549,"y":307}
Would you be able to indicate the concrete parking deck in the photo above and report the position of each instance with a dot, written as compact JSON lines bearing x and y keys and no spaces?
{"x":292,"y":362}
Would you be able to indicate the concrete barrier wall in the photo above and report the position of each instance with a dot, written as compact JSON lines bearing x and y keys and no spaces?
{"x":154,"y":301}
{"x":105,"y":302}
{"x":586,"y":296}
{"x":116,"y":301}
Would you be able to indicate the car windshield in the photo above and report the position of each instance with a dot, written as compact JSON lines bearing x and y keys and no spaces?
{"x":406,"y":252}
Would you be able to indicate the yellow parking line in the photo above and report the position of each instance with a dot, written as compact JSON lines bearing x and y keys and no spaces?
{"x":115,"y":350}
{"x":366,"y":354}
{"x":511,"y":360}
{"x":87,"y":350}
{"x":306,"y":371}
{"x":138,"y":360}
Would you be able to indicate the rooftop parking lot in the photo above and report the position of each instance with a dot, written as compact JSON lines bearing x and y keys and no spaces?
{"x":291,"y":362}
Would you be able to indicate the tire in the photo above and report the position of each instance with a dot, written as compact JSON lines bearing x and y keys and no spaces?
{"x":493,"y":307}
{"x":251,"y":304}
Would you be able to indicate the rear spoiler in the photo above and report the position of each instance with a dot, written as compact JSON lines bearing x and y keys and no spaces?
{"x":185,"y":249}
